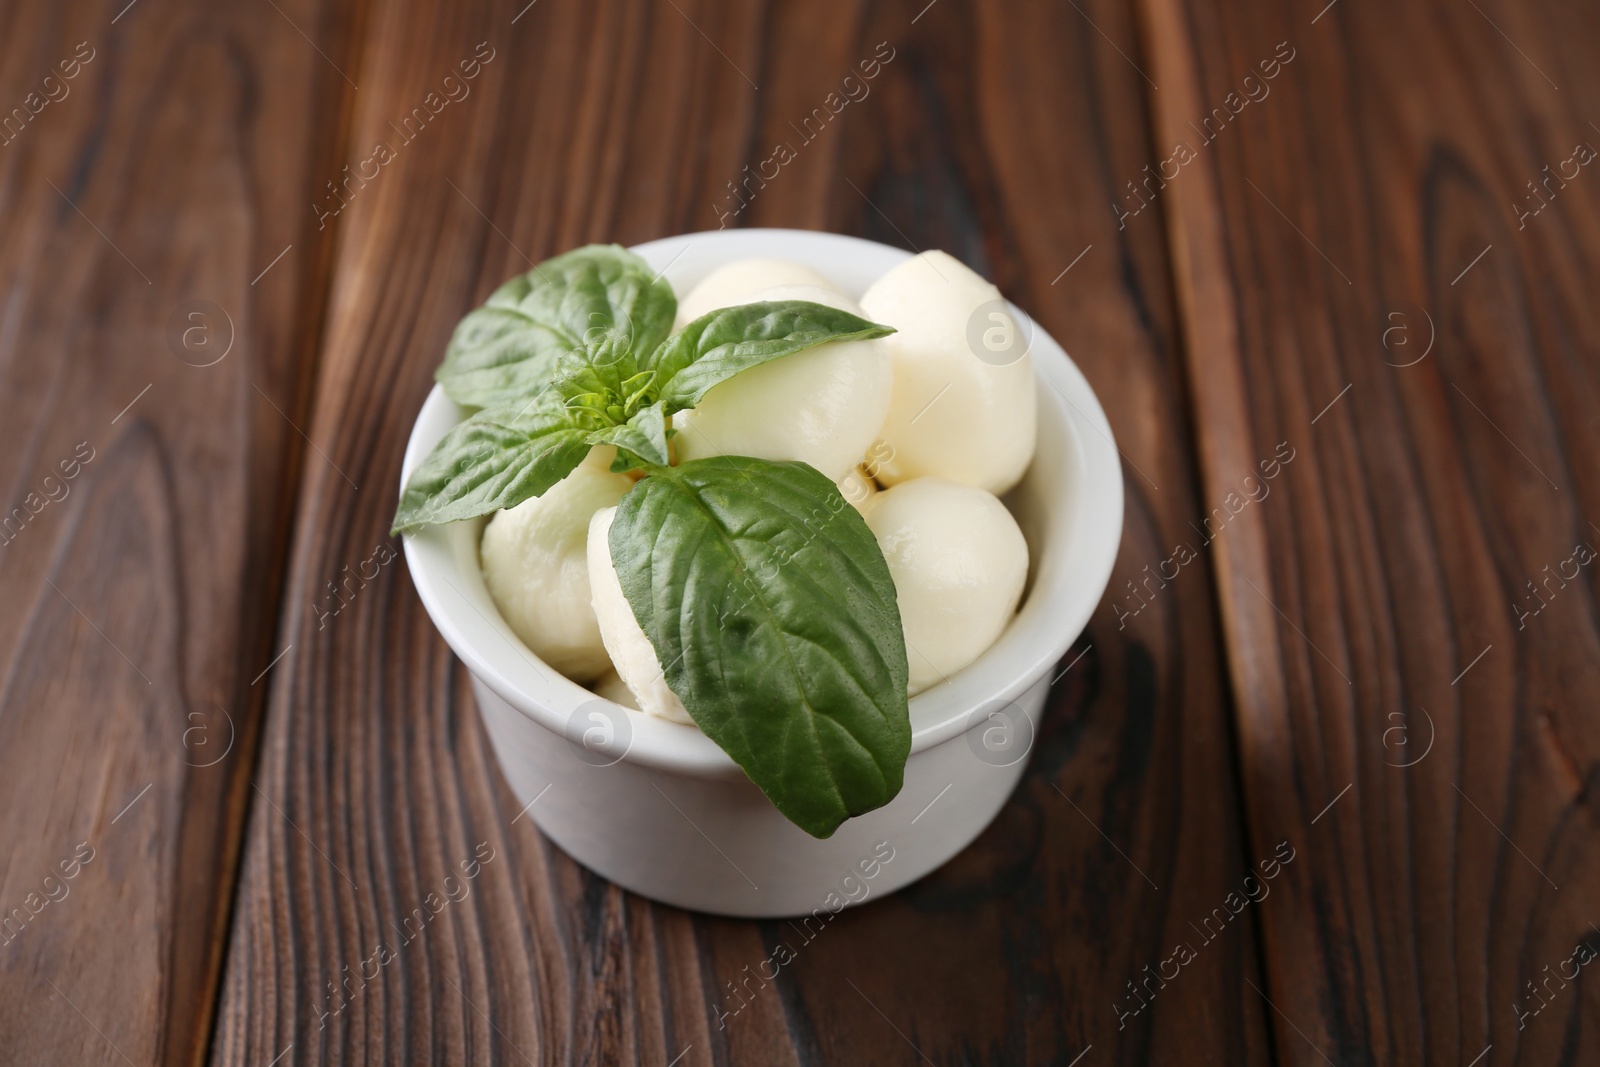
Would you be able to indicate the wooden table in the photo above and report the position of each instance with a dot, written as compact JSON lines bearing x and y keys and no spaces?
{"x":1357,"y":242}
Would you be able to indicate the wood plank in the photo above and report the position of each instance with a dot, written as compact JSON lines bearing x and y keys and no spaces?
{"x":145,"y":473}
{"x":1357,"y":281}
{"x":376,"y":780}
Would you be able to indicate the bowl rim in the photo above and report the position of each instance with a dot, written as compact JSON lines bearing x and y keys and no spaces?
{"x":1015,"y":662}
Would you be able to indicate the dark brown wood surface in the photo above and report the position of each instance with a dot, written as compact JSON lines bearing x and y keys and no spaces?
{"x":1333,"y":280}
{"x":146,"y":476}
{"x":1357,"y":280}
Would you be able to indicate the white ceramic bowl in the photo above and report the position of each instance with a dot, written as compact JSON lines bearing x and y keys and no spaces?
{"x":658,"y":807}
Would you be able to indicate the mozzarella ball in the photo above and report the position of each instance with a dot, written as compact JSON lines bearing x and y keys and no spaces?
{"x":824,"y":294}
{"x":958,"y":561}
{"x":732,"y":284}
{"x":963,"y":405}
{"x":823,"y":406}
{"x":631,"y":651}
{"x":534,"y":563}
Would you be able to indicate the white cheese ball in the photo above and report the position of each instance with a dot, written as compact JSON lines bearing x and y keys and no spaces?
{"x":631,"y":651}
{"x":534,"y":563}
{"x":823,"y":406}
{"x":958,"y":561}
{"x":964,"y":405}
{"x":732,"y":284}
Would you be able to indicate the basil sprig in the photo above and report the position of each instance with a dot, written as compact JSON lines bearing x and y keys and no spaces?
{"x":761,"y":589}
{"x":578,"y":355}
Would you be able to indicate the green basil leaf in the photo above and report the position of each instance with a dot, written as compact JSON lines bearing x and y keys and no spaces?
{"x":595,"y":382}
{"x":508,"y":349}
{"x":715,"y":347}
{"x":496,"y":459}
{"x":644,"y":435}
{"x":767,"y":598}
{"x":497,"y":354}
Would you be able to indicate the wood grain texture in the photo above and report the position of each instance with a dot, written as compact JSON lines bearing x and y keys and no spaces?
{"x":145,"y":497}
{"x":1357,"y":279}
{"x":623,"y":121}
